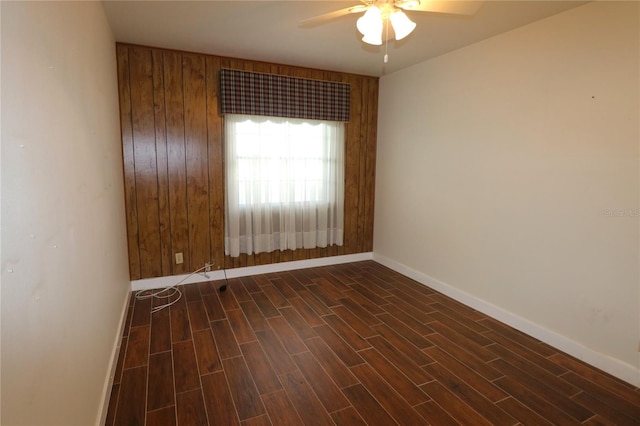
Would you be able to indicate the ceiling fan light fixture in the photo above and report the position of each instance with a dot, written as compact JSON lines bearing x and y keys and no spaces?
{"x":370,"y":26}
{"x":409,"y":4}
{"x":402,"y":25}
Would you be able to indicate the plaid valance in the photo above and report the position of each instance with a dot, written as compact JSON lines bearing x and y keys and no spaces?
{"x":243,"y":92}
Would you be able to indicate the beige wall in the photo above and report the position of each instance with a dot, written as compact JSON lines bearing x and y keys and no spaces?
{"x":497,"y":167}
{"x":64,"y":262}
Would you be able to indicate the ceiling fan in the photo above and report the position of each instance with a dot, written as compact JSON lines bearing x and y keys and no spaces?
{"x":377,"y":13}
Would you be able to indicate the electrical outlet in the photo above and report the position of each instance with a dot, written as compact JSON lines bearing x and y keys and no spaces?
{"x":179,"y":258}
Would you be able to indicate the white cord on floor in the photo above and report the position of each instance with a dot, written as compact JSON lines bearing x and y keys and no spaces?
{"x":166,"y":293}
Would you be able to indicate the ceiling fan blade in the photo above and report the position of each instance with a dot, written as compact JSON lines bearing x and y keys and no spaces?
{"x":320,"y":19}
{"x":469,"y":7}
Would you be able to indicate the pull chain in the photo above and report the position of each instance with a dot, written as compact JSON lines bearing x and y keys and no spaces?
{"x":386,"y":42}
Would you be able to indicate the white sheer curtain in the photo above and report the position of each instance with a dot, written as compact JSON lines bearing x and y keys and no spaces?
{"x":284,"y":184}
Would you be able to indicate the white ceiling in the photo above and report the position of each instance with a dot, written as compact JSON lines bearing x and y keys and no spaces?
{"x":269,"y":30}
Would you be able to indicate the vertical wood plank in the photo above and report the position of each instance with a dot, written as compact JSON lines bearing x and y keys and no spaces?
{"x":176,"y":157}
{"x":352,"y":169}
{"x":144,"y":152}
{"x":370,"y":163}
{"x":124,"y":92}
{"x":216,"y":163}
{"x":162,"y":161}
{"x":195,"y":117}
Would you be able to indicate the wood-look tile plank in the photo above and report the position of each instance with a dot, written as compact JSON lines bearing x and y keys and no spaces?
{"x":534,"y":401}
{"x":239,"y":291}
{"x":254,"y":316}
{"x":264,"y":376}
{"x":531,"y":369}
{"x":228,"y":301}
{"x":378,"y":300}
{"x":470,"y":395}
{"x":479,"y":351}
{"x":619,"y":403}
{"x":213,"y":307}
{"x":400,"y":328}
{"x":617,"y":386}
{"x":206,"y":352}
{"x":468,"y":358}
{"x":478,"y":327}
{"x":400,"y":343}
{"x":435,"y":415}
{"x":137,"y":347}
{"x":240,"y":326}
{"x":160,"y":383}
{"x":367,"y":406}
{"x":192,"y":292}
{"x":291,"y":281}
{"x":274,"y":295}
{"x":243,"y":389}
{"x":299,"y":325}
{"x":606,"y":411}
{"x":359,"y":311}
{"x":180,"y":327}
{"x":479,"y":383}
{"x":206,"y":287}
{"x":264,"y":304}
{"x":284,"y":288}
{"x":360,"y":326}
{"x":517,"y":337}
{"x":141,"y":312}
{"x":322,"y":295}
{"x":305,"y":401}
{"x":413,"y":302}
{"x":250,"y":284}
{"x":452,"y":405}
{"x":348,"y":416}
{"x":113,"y":405}
{"x":280,"y":409}
{"x":461,"y":329}
{"x":117,"y":375}
{"x":331,"y":363}
{"x":197,"y":315}
{"x":310,"y":316}
{"x":323,"y":386}
{"x":347,"y":333}
{"x":225,"y":339}
{"x":290,"y":340}
{"x":132,"y":398}
{"x":400,"y":360}
{"x":162,"y":417}
{"x":262,"y":420}
{"x":363,"y":302}
{"x":520,"y":412}
{"x":524,"y":352}
{"x":349,"y":356}
{"x":277,"y":354}
{"x":396,"y":406}
{"x":190,"y":408}
{"x":392,"y":375}
{"x":218,"y":401}
{"x":314,"y":302}
{"x":185,"y":367}
{"x":419,"y":315}
{"x":160,"y":331}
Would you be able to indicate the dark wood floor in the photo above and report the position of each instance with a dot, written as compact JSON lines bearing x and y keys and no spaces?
{"x":347,"y":344}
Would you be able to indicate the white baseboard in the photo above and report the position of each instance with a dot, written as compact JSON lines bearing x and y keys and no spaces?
{"x":163,"y":282}
{"x":613,"y":366}
{"x":113,"y":361}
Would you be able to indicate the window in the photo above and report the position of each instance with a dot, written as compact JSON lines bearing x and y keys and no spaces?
{"x":284,"y":183}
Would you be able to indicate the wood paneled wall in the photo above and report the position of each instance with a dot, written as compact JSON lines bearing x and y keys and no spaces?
{"x":173,"y":160}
